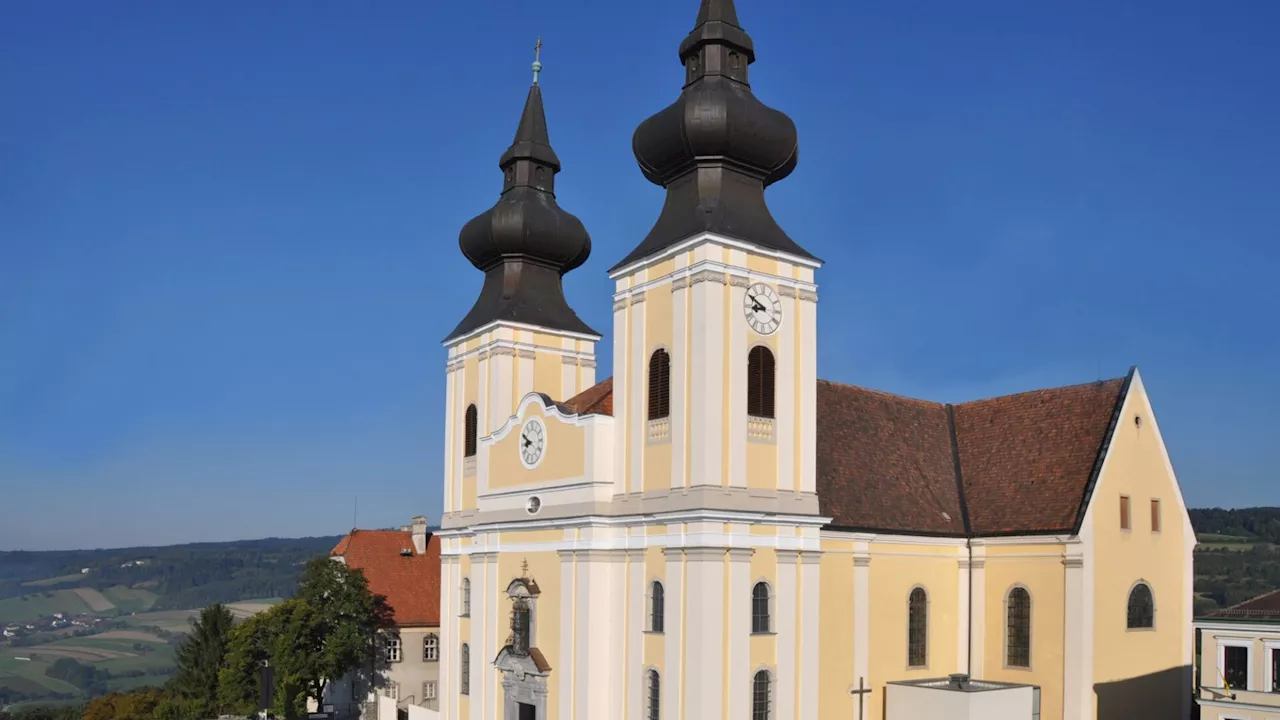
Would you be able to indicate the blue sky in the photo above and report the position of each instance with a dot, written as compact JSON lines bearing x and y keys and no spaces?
{"x":228,"y":231}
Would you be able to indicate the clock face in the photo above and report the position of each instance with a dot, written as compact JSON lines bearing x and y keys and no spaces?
{"x":763,"y":311}
{"x":533,"y":442}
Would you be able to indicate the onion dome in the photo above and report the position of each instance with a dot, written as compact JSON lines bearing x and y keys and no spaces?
{"x":717,"y":147}
{"x":525,"y":243}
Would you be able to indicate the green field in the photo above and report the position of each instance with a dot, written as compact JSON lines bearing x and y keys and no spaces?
{"x":131,"y":599}
{"x":36,"y":605}
{"x":115,"y":654}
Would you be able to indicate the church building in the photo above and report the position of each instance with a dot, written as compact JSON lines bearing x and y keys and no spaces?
{"x":715,"y":532}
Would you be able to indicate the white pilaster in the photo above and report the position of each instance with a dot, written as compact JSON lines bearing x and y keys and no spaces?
{"x":962,"y":614}
{"x":636,"y":425}
{"x":784,"y":627}
{"x":637,"y":594}
{"x":454,"y":412}
{"x":807,"y":309}
{"x":501,"y":377}
{"x":785,"y":407}
{"x":597,"y":645}
{"x":737,"y":377}
{"x":1073,"y":705}
{"x":673,"y":664}
{"x":861,"y":620}
{"x":494,"y":616}
{"x":480,"y":621}
{"x":446,"y":689}
{"x":524,"y":369}
{"x":978,"y":613}
{"x":568,"y":371}
{"x":621,"y":373}
{"x":808,"y":670}
{"x":704,"y":641}
{"x":706,"y":363}
{"x":739,"y":609}
{"x":567,"y":667}
{"x":679,"y":376}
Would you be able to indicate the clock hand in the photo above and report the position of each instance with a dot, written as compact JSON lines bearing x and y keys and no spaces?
{"x":527,"y":441}
{"x":756,"y":307}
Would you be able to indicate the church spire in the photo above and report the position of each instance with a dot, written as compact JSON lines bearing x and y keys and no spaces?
{"x":717,"y":147}
{"x":525,"y":243}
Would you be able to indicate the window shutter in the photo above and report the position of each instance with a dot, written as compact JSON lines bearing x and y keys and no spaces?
{"x":659,"y":385}
{"x":470,"y":432}
{"x":760,"y":382}
{"x":1155,"y":516}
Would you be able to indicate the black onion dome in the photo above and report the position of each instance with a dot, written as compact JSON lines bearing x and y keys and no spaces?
{"x":526,"y":242}
{"x":717,"y":147}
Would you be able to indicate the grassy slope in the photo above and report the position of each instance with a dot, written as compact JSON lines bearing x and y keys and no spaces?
{"x":37,"y":605}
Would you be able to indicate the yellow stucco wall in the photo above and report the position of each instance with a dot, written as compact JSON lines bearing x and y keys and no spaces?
{"x":544,"y":568}
{"x":563,"y":458}
{"x":1135,"y":467}
{"x":764,"y":566}
{"x":655,"y":568}
{"x":1038,"y":568}
{"x":835,"y":638}
{"x":548,"y":374}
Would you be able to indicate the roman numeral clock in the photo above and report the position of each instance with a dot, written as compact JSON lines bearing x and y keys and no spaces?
{"x":762,"y":308}
{"x":533,"y":442}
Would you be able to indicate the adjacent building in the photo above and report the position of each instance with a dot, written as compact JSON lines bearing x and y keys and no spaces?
{"x":404,"y":566}
{"x":715,"y":532}
{"x":1239,"y":661}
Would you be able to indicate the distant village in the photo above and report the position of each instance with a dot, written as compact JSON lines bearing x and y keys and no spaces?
{"x":52,"y":623}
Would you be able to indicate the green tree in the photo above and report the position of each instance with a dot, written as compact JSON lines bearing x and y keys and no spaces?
{"x":328,"y":630}
{"x":200,"y":659}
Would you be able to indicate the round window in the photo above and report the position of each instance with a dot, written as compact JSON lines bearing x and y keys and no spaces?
{"x":533,"y":505}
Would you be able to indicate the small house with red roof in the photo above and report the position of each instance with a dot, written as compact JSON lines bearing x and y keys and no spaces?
{"x":1239,"y":665}
{"x":402,"y":565}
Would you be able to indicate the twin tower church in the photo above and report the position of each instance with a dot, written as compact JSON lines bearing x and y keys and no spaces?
{"x":715,"y":532}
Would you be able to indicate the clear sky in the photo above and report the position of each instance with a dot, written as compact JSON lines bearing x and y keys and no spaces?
{"x":228,"y":231}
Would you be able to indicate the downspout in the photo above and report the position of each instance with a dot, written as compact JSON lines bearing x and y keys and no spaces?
{"x":968,"y":528}
{"x":968,"y":656}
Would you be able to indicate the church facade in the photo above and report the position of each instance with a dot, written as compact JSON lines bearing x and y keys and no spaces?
{"x":714,"y":531}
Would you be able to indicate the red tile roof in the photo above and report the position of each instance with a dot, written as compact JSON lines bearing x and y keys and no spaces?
{"x":1263,"y":607}
{"x":1016,"y":464}
{"x":595,"y":400}
{"x":411,"y":583}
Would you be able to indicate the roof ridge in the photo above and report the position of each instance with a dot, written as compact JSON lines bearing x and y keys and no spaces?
{"x":1252,"y":599}
{"x":883,"y":393}
{"x":955,"y":456}
{"x":1044,"y":389}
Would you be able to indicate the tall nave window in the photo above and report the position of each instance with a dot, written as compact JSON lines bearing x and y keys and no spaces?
{"x":761,"y":699}
{"x":917,"y":628}
{"x":464,"y":670}
{"x":654,"y":709}
{"x":760,"y":608}
{"x":1018,"y":628}
{"x":760,"y":382}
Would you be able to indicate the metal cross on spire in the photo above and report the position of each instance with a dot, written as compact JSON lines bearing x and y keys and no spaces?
{"x":524,"y":564}
{"x":537,"y":60}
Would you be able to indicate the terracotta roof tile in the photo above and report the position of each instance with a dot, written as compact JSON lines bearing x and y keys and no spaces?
{"x":1027,"y":460}
{"x":1263,"y":607}
{"x":411,"y":584}
{"x":885,"y":462}
{"x":595,"y":400}
{"x":1015,"y":464}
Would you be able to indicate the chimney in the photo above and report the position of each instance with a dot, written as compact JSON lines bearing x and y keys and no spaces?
{"x":419,"y":530}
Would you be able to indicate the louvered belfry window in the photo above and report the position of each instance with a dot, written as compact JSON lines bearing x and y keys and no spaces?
{"x":760,"y":382}
{"x":472,"y":421}
{"x":659,"y":385}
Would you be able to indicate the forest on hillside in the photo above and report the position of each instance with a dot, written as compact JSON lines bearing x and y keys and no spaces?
{"x":183,"y":576}
{"x":1238,"y":556}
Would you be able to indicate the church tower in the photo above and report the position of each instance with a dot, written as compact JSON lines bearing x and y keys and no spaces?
{"x":715,"y":310}
{"x":521,"y":336}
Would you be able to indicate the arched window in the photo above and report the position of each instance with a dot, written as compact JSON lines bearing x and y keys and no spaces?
{"x":917,"y":628}
{"x":464,"y":669}
{"x":469,"y":432}
{"x":760,"y":382}
{"x":1142,"y":607}
{"x":431,"y":648}
{"x":659,"y":385}
{"x":654,"y":709}
{"x":657,"y":607}
{"x":760,"y":608}
{"x":761,"y":701}
{"x":1018,"y":628}
{"x":466,"y":597}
